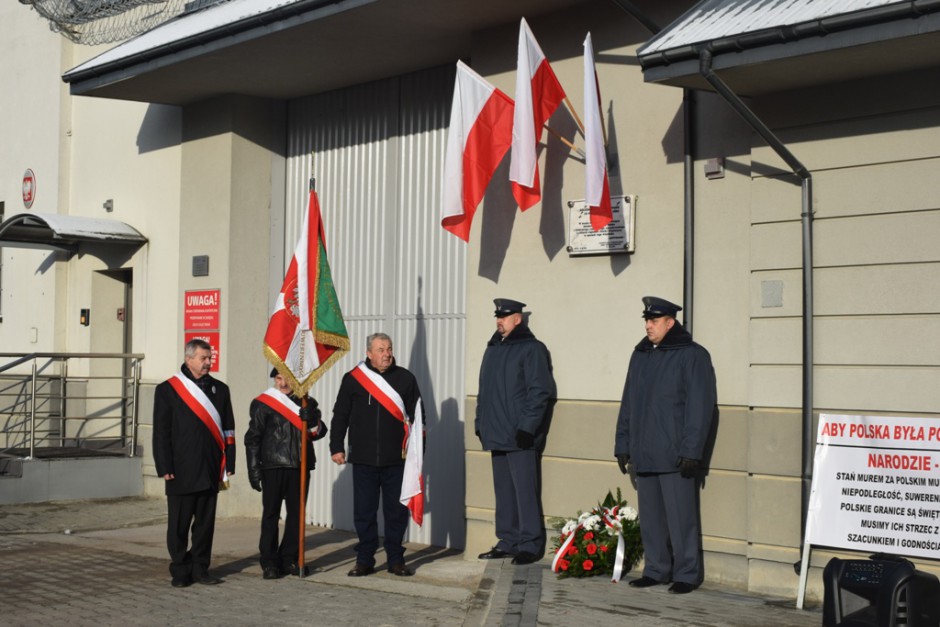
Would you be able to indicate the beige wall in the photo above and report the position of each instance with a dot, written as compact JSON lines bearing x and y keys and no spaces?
{"x":230,"y":161}
{"x":31,"y":136}
{"x":581,"y":306}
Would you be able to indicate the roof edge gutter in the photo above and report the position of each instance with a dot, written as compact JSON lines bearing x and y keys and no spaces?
{"x":785,"y":34}
{"x":705,"y":69}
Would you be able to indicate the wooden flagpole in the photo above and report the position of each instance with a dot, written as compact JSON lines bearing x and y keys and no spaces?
{"x":574,"y":114}
{"x":565,"y":141}
{"x":302,"y":523}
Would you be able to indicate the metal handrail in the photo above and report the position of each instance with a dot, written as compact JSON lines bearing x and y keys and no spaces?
{"x":34,"y":418}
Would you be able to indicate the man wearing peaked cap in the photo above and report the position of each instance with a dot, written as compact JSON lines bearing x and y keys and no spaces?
{"x":514,"y":400}
{"x":666,"y":413}
{"x":506,"y":306}
{"x":654,"y":307}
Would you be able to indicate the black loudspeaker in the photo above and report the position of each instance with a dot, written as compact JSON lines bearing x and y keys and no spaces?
{"x":884,"y":591}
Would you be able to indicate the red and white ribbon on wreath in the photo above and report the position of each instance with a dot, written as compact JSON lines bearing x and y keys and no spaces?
{"x":609,"y":516}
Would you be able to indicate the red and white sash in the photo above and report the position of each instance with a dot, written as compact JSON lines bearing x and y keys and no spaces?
{"x":412,"y":485}
{"x":384,"y":393}
{"x":285,"y":407}
{"x":199,"y":404}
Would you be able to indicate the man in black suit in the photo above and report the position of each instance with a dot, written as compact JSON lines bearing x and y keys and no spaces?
{"x":194,"y":452}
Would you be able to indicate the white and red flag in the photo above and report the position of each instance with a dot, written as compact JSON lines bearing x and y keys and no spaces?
{"x":306,"y":333}
{"x":480,"y":134}
{"x":412,"y":483}
{"x":538,"y":94}
{"x":597,"y":185}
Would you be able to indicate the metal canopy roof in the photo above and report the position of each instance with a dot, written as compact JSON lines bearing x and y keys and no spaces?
{"x":55,"y":231}
{"x":284,"y":49}
{"x":762,"y":46}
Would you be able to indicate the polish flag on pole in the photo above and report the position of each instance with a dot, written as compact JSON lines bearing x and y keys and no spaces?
{"x":538,"y":94}
{"x":597,"y":184}
{"x":480,"y":134}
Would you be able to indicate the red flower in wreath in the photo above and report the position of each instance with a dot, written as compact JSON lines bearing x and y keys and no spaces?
{"x":563,"y":564}
{"x":572,"y":550}
{"x":604,"y":548}
{"x":589,"y":535}
{"x":591,"y":548}
{"x":587,"y":564}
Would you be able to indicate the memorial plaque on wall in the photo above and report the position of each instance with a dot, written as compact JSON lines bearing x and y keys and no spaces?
{"x":616,"y":237}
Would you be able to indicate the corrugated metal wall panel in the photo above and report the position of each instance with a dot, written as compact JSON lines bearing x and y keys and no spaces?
{"x":435,"y":354}
{"x":436,"y":258}
{"x":377,"y":155}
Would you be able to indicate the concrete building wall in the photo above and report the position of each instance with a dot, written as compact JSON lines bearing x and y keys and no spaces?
{"x":32,"y":137}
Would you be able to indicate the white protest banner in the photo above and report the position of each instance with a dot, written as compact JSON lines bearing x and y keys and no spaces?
{"x":876,"y":485}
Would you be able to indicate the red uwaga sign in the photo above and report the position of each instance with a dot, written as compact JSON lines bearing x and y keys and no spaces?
{"x":201,"y":319}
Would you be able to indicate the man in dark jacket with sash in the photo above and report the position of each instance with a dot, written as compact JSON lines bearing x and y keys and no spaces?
{"x":194,"y":452}
{"x":515,"y":396}
{"x":665,"y":417}
{"x":375,"y":399}
{"x":272,"y":447}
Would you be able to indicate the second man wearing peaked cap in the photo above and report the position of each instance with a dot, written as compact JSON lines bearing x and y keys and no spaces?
{"x":516,"y":395}
{"x":665,"y":418}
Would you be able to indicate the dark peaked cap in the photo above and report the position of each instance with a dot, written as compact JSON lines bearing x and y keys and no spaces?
{"x":654,"y":307}
{"x":506,"y":306}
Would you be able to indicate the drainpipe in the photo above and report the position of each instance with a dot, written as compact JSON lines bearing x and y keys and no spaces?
{"x":705,"y":68}
{"x":688,"y":271}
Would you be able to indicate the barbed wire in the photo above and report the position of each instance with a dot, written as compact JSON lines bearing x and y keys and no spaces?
{"x":91,"y":22}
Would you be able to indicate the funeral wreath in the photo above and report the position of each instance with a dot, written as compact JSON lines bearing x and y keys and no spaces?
{"x":602,"y":541}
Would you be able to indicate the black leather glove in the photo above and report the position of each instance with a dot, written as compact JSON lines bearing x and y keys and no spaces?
{"x":311,"y":413}
{"x":687,"y":467}
{"x":623,"y":461}
{"x":524,"y":439}
{"x":255,"y":483}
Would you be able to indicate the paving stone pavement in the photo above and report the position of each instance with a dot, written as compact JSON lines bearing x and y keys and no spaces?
{"x":111,"y":569}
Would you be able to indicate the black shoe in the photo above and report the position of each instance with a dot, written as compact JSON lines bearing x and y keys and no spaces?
{"x":206,"y":579}
{"x":495,"y":554}
{"x":361,"y":570}
{"x":524,"y":557}
{"x":681,"y":587}
{"x":400,"y":570}
{"x":181,"y":582}
{"x":272,"y":572}
{"x":645,"y":582}
{"x":292,"y":569}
